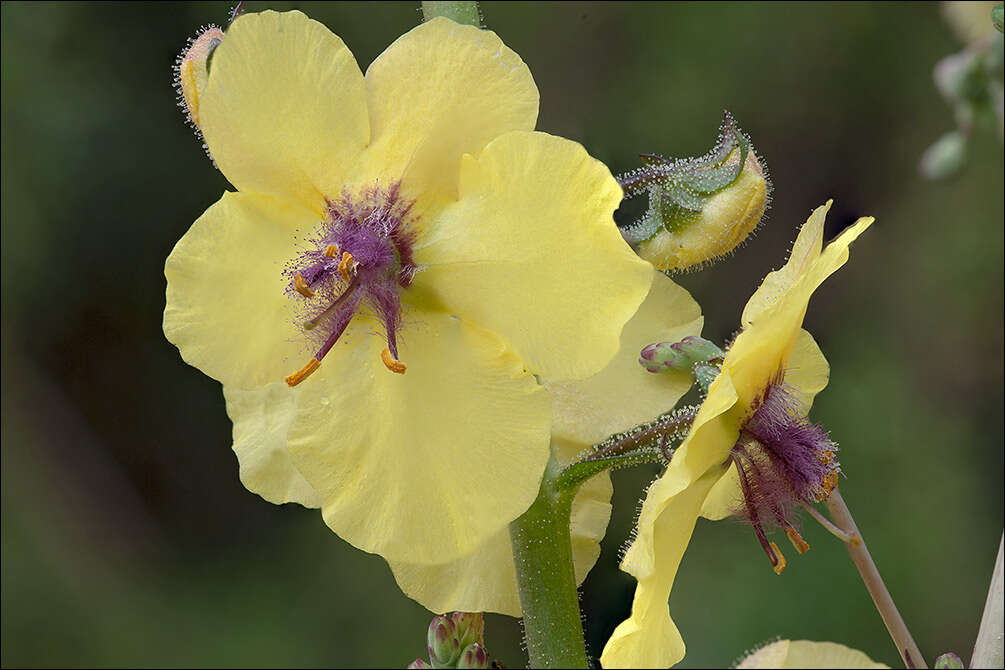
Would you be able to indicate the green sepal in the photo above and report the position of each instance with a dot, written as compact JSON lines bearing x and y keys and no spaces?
{"x":678,"y":189}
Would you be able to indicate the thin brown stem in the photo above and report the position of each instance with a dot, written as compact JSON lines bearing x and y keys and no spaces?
{"x":859,"y":553}
{"x":830,"y":527}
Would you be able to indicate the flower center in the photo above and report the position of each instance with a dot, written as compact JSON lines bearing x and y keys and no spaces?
{"x":782,"y":461}
{"x":359,"y":258}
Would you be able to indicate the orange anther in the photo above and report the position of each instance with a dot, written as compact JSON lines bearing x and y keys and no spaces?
{"x":779,"y":564}
{"x":801,"y":545}
{"x":830,"y":481}
{"x":304,"y":372}
{"x":825,"y":457}
{"x":393,"y":364}
{"x":346,"y":266}
{"x":301,"y":286}
{"x":331,"y":251}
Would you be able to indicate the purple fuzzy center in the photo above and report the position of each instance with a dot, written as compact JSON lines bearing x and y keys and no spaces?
{"x":782,"y":460}
{"x":374,"y":227}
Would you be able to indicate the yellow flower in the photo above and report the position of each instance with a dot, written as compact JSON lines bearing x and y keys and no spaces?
{"x":585,"y":412}
{"x":807,"y":654}
{"x":408,"y":229}
{"x":754,"y":416}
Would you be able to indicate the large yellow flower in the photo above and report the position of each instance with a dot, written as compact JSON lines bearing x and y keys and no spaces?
{"x":585,"y":412}
{"x":411,"y":232}
{"x":754,"y":416}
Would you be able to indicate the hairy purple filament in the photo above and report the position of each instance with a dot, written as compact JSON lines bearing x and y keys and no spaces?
{"x":782,"y":461}
{"x":361,"y":257}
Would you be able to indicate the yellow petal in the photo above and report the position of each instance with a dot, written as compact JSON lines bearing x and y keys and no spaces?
{"x":704,"y":450}
{"x":439,"y":91}
{"x":806,"y":375}
{"x":805,"y":250}
{"x":530,"y":251}
{"x":623,"y":394}
{"x":262,"y":419}
{"x":285,"y":108}
{"x":649,"y":638}
{"x":807,"y":654}
{"x":227,"y":309}
{"x":807,"y":371}
{"x":485,"y":581}
{"x":726,"y":498}
{"x":424,"y":466}
{"x":762,"y":349}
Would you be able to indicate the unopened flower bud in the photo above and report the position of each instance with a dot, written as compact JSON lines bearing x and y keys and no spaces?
{"x":699,"y":208}
{"x":442,"y":643}
{"x":192,"y":70}
{"x":417,"y":664}
{"x":680,"y":356}
{"x":473,"y":656}
{"x":470,"y":627}
{"x":949,"y":661}
{"x":662,"y":356}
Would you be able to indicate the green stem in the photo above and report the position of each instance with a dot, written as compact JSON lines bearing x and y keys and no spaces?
{"x":542,"y":550}
{"x":462,"y":12}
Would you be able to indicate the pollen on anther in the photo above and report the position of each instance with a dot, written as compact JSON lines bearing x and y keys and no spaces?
{"x":331,"y":251}
{"x":830,"y":483}
{"x":303,"y":373}
{"x":801,"y":545}
{"x":301,"y":286}
{"x":392,"y":364}
{"x":779,"y":563}
{"x":346,"y":266}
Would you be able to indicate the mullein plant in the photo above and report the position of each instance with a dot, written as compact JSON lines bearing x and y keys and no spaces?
{"x":410,"y":287}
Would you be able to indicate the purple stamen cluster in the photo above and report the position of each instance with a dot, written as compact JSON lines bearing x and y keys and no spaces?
{"x":782,"y":461}
{"x":360,"y":257}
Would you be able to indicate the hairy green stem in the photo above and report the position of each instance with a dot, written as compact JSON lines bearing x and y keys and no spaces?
{"x":909,"y":651}
{"x":542,"y":551}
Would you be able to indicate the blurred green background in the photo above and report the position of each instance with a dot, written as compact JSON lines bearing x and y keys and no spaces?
{"x":127,"y":537}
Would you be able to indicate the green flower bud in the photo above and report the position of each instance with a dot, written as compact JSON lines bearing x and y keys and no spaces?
{"x":699,"y":208}
{"x":700,"y":350}
{"x":442,"y":643}
{"x":473,"y":656}
{"x":949,"y":661}
{"x":664,"y":356}
{"x":417,"y":664}
{"x":679,"y":356}
{"x":470,"y":626}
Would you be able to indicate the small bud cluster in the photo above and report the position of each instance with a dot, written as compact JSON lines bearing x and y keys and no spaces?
{"x":455,"y":641}
{"x":694,"y":355}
